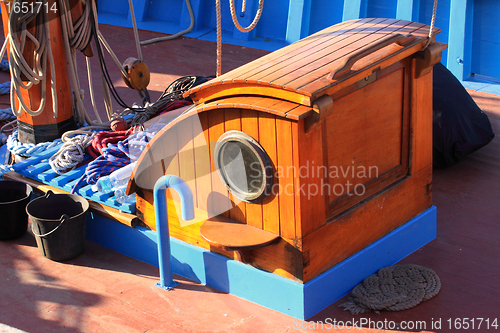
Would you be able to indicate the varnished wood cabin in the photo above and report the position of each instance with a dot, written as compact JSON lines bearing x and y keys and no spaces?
{"x":341,"y":124}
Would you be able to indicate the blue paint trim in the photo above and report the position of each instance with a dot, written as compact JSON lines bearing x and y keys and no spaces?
{"x":460,"y":26}
{"x":354,"y":9}
{"x":299,"y":12}
{"x":292,"y":298}
{"x":404,"y":10}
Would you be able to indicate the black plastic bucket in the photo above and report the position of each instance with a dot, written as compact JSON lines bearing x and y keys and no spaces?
{"x":58,"y":223}
{"x":14,"y":196}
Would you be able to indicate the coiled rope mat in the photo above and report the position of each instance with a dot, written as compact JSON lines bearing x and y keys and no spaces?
{"x":394,"y":288}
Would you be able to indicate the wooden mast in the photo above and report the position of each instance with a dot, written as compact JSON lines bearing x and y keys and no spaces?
{"x":45,"y":127}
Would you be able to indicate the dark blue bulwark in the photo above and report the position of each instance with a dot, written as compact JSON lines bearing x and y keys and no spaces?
{"x":38,"y":168}
{"x":469,"y":27}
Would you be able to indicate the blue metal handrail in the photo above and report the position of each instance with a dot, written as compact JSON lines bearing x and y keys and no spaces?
{"x":161,"y":217}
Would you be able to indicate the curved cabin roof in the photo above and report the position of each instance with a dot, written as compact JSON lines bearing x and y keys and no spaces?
{"x":152,"y":159}
{"x":287,"y":82}
{"x":303,"y":71}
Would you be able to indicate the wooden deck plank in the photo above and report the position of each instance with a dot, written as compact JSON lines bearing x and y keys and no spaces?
{"x":323,"y":66}
{"x":309,"y":64}
{"x":288,"y":57}
{"x":296,"y":58}
{"x":241,"y":73}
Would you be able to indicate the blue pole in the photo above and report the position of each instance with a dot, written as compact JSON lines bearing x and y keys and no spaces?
{"x":161,"y":217}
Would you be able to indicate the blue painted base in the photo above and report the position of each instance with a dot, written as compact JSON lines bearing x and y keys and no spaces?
{"x":292,"y":298}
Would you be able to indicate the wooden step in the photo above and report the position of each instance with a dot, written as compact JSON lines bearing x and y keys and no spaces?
{"x":234,"y":236}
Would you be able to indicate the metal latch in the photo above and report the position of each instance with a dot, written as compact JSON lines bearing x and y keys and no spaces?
{"x":367,"y":80}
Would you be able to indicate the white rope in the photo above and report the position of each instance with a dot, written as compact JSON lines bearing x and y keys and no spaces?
{"x":183,"y":32}
{"x":136,"y":33}
{"x":71,"y":153}
{"x":431,"y":29}
{"x":77,"y":36}
{"x":71,"y":61}
{"x":112,"y":54}
{"x":37,"y":74}
{"x":28,"y":149}
{"x":219,"y":39}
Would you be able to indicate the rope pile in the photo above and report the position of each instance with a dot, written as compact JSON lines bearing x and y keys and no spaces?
{"x":30,"y":149}
{"x":71,"y":153}
{"x":115,"y":156}
{"x":394,"y":288}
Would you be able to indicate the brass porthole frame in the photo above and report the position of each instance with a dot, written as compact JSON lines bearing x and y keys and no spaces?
{"x":262,"y":157}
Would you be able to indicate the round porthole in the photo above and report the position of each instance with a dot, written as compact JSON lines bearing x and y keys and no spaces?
{"x":243,"y":166}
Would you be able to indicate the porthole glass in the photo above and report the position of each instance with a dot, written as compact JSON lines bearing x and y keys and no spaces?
{"x":243,"y":166}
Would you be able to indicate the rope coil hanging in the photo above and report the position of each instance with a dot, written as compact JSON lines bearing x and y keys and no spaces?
{"x":243,"y":7}
{"x":36,"y":74}
{"x":236,"y":23}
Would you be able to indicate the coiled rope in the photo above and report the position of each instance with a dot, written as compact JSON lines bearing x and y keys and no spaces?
{"x":17,"y":37}
{"x":29,"y":149}
{"x":235,"y":18}
{"x":170,"y":99}
{"x":71,"y":153}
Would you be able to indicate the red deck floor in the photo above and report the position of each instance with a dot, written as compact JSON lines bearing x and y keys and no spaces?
{"x":103,"y":291}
